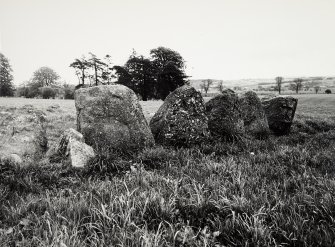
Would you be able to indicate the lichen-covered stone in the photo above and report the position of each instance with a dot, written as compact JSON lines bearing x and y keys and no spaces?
{"x":280,"y":113}
{"x":181,"y":120}
{"x":12,"y":159}
{"x":225,"y":115}
{"x":22,"y":133}
{"x":71,"y":146}
{"x":253,"y":114}
{"x":79,"y":153}
{"x":110,"y":117}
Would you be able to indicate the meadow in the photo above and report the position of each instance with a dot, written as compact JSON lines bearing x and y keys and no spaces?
{"x":274,"y":192}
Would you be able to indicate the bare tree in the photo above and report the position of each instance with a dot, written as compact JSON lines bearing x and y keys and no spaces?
{"x":317,"y":89}
{"x":206,"y":85}
{"x":220,"y":86}
{"x":279,"y":81}
{"x":297,"y":84}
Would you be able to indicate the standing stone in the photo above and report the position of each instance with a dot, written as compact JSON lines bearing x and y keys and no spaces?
{"x":280,"y":113}
{"x":22,"y":134}
{"x":110,"y":117}
{"x":71,"y":146}
{"x":224,"y":115}
{"x":181,"y":120}
{"x":255,"y":121}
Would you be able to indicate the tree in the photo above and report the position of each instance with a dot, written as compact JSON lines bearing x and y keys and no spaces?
{"x":328,"y":91}
{"x":317,"y":89}
{"x":220,"y":86}
{"x":168,"y":80}
{"x":205,"y":85}
{"x":44,"y":76}
{"x":107,"y":71}
{"x":279,"y":81}
{"x":97,"y":66}
{"x":123,"y":76}
{"x":96,"y":70}
{"x":297,"y":84}
{"x":139,"y":75}
{"x":161,"y":56}
{"x":142,"y":74}
{"x":6,"y":77}
{"x":80,"y":65}
{"x":169,"y":69}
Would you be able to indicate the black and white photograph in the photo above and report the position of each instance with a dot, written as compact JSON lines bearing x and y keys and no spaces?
{"x":158,"y":123}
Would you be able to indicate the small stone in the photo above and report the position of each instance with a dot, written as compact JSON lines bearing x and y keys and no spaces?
{"x":71,"y":146}
{"x":79,"y":153}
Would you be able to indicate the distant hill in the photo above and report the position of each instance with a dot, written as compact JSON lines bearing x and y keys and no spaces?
{"x":251,"y":84}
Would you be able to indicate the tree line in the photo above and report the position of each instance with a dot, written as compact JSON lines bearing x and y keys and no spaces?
{"x":151,"y":77}
{"x":298,"y":84}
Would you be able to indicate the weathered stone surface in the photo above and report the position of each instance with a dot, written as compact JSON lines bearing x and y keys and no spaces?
{"x":181,"y":120}
{"x":111,"y":117}
{"x":280,"y":113}
{"x":79,"y":153}
{"x":71,"y":146}
{"x":22,"y":133}
{"x":253,"y":114}
{"x":12,"y":159}
{"x":68,"y":136}
{"x":225,"y":115}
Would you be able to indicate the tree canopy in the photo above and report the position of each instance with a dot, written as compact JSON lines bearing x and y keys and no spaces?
{"x":6,"y":77}
{"x":93,"y":69}
{"x":153,"y":77}
{"x":44,"y":76}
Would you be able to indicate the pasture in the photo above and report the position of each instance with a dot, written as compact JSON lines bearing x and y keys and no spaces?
{"x":275,"y":192}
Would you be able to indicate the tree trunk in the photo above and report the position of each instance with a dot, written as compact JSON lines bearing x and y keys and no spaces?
{"x":96,"y":74}
{"x":83,"y":76}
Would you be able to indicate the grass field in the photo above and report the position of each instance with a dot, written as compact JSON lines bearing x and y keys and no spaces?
{"x":275,"y":192}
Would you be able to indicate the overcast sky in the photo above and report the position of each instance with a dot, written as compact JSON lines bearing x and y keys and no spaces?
{"x":219,"y":39}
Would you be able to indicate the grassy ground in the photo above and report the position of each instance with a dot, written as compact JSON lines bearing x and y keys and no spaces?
{"x":277,"y":192}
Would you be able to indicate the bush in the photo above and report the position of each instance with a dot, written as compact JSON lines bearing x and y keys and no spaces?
{"x":328,"y":91}
{"x":48,"y":93}
{"x":28,"y":92}
{"x":69,"y":93}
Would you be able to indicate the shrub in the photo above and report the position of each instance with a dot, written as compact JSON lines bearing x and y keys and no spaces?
{"x":328,"y":91}
{"x":28,"y":92}
{"x":48,"y":93}
{"x":69,"y":93}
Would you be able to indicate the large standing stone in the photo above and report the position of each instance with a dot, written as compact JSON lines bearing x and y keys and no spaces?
{"x":255,"y":121}
{"x":22,"y":133}
{"x":181,"y":120}
{"x":71,"y":146}
{"x":225,"y":116}
{"x":280,"y":113}
{"x":111,"y":117}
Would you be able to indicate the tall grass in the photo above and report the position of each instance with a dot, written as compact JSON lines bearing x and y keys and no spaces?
{"x":274,"y":192}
